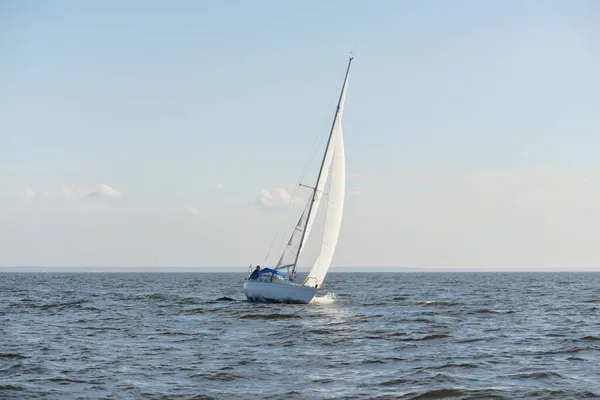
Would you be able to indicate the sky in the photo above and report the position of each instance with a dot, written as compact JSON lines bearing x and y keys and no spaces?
{"x":149,"y":133}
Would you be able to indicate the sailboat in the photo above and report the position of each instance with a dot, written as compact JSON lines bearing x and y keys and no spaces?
{"x":271,"y":284}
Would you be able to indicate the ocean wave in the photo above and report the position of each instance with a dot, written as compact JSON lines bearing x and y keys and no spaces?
{"x":537,"y":375}
{"x":433,"y":303}
{"x":270,"y":316}
{"x":490,"y":311}
{"x":163,"y":337}
{"x":427,"y":337}
{"x":438,"y":394}
{"x":591,"y":338}
{"x":12,"y":355}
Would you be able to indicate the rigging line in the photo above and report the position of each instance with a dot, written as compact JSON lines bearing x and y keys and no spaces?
{"x":285,"y":214}
{"x":287,"y":208}
{"x":295,"y":195}
{"x":322,"y":133}
{"x":312,"y":154}
{"x":276,"y":232}
{"x":319,"y":136}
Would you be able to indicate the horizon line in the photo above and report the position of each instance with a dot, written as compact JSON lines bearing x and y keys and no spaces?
{"x":367,"y":269}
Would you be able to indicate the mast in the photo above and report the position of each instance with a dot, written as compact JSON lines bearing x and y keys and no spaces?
{"x":314,"y":189}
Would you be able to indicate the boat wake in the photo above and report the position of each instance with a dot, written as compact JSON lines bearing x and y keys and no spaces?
{"x":328,"y":298}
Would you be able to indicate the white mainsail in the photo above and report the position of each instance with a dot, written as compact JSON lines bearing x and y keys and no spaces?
{"x":335,"y":202}
{"x":333,"y":163}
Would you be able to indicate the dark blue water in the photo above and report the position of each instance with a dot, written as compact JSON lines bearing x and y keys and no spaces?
{"x":403,"y":335}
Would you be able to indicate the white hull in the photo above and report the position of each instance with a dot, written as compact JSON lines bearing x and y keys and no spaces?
{"x":278,"y":292}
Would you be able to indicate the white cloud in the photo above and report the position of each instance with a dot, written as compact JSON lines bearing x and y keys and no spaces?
{"x":275,"y":198}
{"x":65,"y":193}
{"x":105,"y":191}
{"x":28,"y":195}
{"x":191,"y":211}
{"x":82,"y":192}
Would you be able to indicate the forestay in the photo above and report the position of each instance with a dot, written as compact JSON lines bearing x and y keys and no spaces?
{"x":333,"y":163}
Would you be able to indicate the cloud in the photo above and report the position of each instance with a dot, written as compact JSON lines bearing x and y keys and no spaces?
{"x":221,"y":186}
{"x":106,"y":192}
{"x":191,"y":211}
{"x":65,"y":193}
{"x":81,"y":192}
{"x":103,"y":191}
{"x":273,"y":199}
{"x":28,"y":195}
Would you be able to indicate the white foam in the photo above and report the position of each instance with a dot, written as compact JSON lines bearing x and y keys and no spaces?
{"x":328,"y":298}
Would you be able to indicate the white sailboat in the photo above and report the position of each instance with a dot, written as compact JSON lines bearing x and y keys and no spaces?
{"x":272,"y":285}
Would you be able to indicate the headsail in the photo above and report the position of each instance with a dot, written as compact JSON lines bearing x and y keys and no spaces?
{"x":333,"y":160}
{"x":335,"y":202}
{"x":293,"y":247}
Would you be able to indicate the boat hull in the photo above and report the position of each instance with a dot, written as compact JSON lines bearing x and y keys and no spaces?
{"x":274,"y":292}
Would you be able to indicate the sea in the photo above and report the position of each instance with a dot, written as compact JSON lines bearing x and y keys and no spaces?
{"x":365,"y":336}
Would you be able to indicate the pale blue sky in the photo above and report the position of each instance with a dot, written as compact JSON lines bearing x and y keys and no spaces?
{"x":472,"y":129}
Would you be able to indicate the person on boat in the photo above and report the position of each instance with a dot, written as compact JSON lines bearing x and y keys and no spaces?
{"x":255,"y":273}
